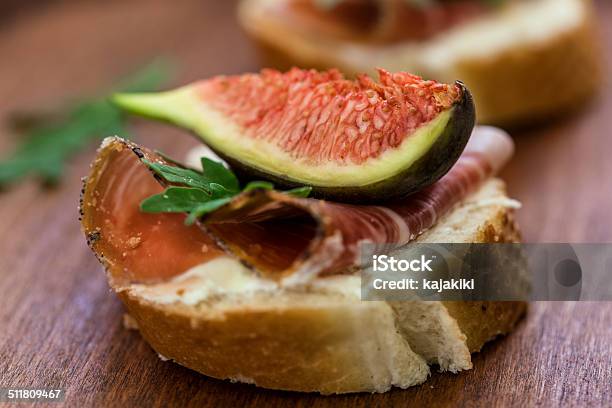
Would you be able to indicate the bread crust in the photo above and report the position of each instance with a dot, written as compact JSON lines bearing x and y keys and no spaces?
{"x":538,"y":81}
{"x":301,"y":343}
{"x":484,"y":320}
{"x":518,"y":85}
{"x":328,"y":343}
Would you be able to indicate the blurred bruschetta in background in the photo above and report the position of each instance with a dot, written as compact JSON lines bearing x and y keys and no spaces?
{"x":524,"y":60}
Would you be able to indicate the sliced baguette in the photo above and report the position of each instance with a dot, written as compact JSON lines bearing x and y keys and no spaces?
{"x":446,"y":333}
{"x":324,"y":338}
{"x":526,"y":62}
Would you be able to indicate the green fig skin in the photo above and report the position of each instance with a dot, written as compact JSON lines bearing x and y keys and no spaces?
{"x":427,"y":169}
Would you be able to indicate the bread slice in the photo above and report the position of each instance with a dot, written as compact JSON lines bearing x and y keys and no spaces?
{"x":525,"y":62}
{"x":227,"y":324}
{"x":446,"y":333}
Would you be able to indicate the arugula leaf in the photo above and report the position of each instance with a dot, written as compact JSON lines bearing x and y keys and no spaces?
{"x":199,"y":193}
{"x":217,"y":171}
{"x":259,"y":185}
{"x":175,"y":199}
{"x":301,"y":192}
{"x":47,"y":147}
{"x":179,"y":175}
{"x":206,"y":208}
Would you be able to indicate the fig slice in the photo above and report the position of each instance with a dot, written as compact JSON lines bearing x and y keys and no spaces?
{"x":351,"y":140}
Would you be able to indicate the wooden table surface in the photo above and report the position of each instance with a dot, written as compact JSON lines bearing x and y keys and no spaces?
{"x":61,"y":326}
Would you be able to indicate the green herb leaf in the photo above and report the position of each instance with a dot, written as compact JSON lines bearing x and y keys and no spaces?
{"x":175,"y":199}
{"x":179,"y":175}
{"x":220,"y":191}
{"x":302,"y":192}
{"x":206,"y":208}
{"x":47,"y":147}
{"x":261,"y":185}
{"x":199,"y":193}
{"x":216,"y":171}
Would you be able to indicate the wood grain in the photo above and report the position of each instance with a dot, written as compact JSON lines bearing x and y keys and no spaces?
{"x":60,"y":325}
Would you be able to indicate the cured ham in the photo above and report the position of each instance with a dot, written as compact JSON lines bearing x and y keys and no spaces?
{"x":379,"y":21}
{"x":284,"y":237}
{"x":134,"y":246}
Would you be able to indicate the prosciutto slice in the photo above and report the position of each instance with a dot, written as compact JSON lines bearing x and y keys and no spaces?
{"x":132,"y":245}
{"x":295,"y":239}
{"x":379,"y":21}
{"x":282,"y":237}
